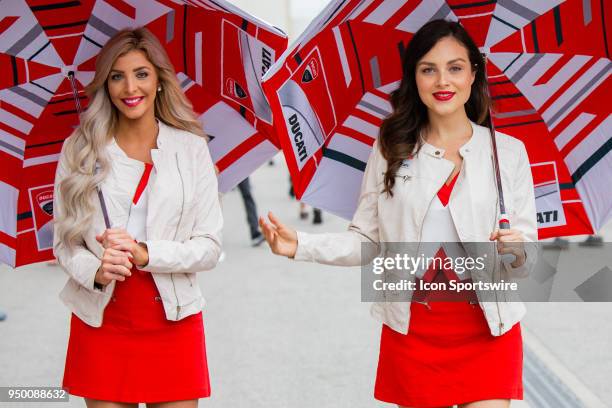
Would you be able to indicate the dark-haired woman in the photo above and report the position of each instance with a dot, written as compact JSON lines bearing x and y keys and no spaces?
{"x":430,"y":178}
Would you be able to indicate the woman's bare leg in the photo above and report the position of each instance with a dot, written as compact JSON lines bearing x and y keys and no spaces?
{"x":175,"y":404}
{"x":498,"y":403}
{"x":91,"y":403}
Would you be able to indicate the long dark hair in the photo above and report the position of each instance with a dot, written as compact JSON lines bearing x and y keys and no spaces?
{"x":399,"y":132}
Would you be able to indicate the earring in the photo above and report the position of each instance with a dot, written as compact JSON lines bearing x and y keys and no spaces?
{"x":159,"y":88}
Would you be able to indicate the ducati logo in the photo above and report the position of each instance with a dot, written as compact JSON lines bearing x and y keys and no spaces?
{"x":234,"y":89}
{"x":45,"y":201}
{"x":311,"y":71}
{"x":298,"y":137}
{"x":266,"y":60}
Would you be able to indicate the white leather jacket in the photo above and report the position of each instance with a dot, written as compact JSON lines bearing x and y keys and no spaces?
{"x":474,"y":208}
{"x":184,"y":223}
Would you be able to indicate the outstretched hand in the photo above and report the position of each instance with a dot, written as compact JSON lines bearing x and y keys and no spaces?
{"x":281,"y":239}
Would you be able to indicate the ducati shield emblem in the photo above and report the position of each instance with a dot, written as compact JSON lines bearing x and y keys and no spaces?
{"x":311,"y":71}
{"x":45,"y":202}
{"x":233,"y":88}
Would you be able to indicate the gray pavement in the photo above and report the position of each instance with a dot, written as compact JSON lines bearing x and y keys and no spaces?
{"x":279,"y":333}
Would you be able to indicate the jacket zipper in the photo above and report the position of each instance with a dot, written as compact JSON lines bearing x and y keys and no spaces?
{"x":178,"y":168}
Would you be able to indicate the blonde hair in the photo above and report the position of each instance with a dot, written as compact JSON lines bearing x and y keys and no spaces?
{"x":85,"y":150}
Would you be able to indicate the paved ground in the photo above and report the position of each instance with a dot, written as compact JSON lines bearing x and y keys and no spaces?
{"x":279,"y":333}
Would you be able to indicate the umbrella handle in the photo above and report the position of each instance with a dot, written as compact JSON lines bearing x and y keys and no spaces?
{"x":504,"y":223}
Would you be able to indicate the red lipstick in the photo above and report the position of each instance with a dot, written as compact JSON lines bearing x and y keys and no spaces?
{"x":443,"y":96}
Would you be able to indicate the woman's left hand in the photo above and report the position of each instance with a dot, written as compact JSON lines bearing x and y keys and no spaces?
{"x":118,"y":238}
{"x":510,"y":241}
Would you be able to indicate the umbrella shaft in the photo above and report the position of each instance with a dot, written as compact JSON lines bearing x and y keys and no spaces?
{"x":75,"y":92}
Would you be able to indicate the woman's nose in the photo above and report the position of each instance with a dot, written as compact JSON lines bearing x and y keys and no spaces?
{"x":442,"y":79}
{"x":130,"y":85}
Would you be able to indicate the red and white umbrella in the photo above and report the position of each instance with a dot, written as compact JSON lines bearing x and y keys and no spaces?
{"x":548,"y":67}
{"x":219,"y":53}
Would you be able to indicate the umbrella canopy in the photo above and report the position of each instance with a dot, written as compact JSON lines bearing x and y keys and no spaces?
{"x":219,"y":53}
{"x":548,"y":69}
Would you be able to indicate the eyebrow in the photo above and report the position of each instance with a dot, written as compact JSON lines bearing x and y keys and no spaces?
{"x":134,"y":70}
{"x":449,"y":62}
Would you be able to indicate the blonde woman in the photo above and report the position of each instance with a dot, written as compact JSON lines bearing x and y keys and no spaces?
{"x":136,"y":333}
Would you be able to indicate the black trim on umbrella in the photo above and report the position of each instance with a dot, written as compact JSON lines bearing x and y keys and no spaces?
{"x":348,"y":24}
{"x":243,"y":111}
{"x":42,"y":87}
{"x":67,"y":112}
{"x":56,"y":26}
{"x":507,"y":96}
{"x":592,"y":161}
{"x":518,"y":124}
{"x":504,"y":22}
{"x":39,"y":51}
{"x":245,"y":24}
{"x":15,"y":71}
{"x":219,"y":5}
{"x":24,"y":215}
{"x":297,"y":58}
{"x":567,"y":186}
{"x":534,"y":37}
{"x":44,"y":144}
{"x":512,"y":62}
{"x":92,"y":41}
{"x":54,"y":6}
{"x":558,"y":28}
{"x":334,"y":12}
{"x":478,"y":4}
{"x":344,"y":159}
{"x":507,"y":81}
{"x":64,"y":100}
{"x":401,"y":49}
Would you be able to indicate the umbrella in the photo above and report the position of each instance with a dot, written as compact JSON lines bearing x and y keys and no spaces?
{"x":548,"y":69}
{"x":218,"y":51}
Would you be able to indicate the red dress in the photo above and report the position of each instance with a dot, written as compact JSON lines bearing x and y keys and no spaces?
{"x":137,"y":355}
{"x":449,"y":355}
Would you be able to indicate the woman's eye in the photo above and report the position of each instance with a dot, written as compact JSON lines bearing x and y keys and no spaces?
{"x":427,"y":70}
{"x":142,"y":75}
{"x":115,"y":77}
{"x":456,"y":69}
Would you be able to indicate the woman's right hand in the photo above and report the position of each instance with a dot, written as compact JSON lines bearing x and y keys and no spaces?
{"x":116,"y":265}
{"x":282,"y":239}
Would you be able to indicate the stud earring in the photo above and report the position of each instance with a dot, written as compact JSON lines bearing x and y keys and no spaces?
{"x":159,"y":88}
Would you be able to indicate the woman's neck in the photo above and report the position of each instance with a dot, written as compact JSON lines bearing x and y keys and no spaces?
{"x":141,"y":132}
{"x":448,"y":130}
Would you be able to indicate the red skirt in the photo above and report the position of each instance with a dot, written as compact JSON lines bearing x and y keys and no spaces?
{"x":137,"y":355}
{"x":448,"y":357}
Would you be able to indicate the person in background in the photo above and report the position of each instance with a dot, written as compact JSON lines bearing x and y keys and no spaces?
{"x":251,"y":212}
{"x":317,"y":214}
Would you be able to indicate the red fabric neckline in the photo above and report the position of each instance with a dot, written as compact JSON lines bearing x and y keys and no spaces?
{"x":142,"y":184}
{"x":446,"y":190}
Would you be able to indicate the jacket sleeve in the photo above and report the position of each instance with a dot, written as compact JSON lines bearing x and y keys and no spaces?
{"x":202,"y":250}
{"x":345,"y":248}
{"x":79,"y":263}
{"x":523,"y":217}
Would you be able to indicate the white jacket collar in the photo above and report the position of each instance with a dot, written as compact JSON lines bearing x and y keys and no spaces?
{"x":479,"y":140}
